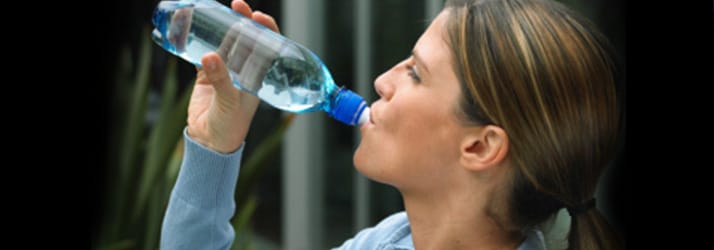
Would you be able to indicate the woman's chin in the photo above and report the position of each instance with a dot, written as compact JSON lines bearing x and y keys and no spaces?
{"x":362,"y":162}
{"x":369,"y":167}
{"x":359,"y":158}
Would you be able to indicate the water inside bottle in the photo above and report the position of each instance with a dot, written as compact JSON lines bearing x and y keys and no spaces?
{"x":280,"y":72}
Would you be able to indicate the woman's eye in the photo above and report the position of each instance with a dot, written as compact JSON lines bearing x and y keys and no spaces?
{"x":413,"y":74}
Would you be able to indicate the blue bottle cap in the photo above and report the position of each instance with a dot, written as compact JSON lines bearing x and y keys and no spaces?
{"x":348,"y":107}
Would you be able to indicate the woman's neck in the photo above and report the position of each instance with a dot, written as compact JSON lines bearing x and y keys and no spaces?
{"x":456,"y":220}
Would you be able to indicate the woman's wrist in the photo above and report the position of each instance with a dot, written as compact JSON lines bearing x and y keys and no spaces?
{"x":215,"y":143}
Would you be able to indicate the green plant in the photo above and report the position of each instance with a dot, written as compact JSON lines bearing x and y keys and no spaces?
{"x":145,"y":158}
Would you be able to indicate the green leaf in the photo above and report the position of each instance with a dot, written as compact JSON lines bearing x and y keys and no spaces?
{"x":163,"y":137}
{"x":175,"y":163}
{"x":123,"y":244}
{"x":250,"y":173}
{"x":137,"y":112}
{"x":131,"y":142}
{"x":154,"y":216}
{"x":240,"y":222}
{"x":252,"y":169}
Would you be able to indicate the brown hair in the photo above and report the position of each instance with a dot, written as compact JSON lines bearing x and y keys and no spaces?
{"x":542,"y":73}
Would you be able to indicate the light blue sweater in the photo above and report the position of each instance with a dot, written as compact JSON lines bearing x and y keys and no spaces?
{"x":201,"y":206}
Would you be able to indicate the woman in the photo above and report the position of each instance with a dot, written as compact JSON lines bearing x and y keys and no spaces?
{"x":504,"y":113}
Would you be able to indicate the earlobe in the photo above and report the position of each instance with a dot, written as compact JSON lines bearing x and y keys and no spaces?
{"x":484,"y":148}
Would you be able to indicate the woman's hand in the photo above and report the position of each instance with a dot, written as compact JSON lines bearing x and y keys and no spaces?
{"x":219,"y":115}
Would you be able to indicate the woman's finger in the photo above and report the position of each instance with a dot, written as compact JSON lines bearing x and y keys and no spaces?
{"x":266,"y":20}
{"x":242,"y":8}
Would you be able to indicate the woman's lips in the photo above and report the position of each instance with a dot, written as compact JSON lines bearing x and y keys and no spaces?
{"x":371,"y":116}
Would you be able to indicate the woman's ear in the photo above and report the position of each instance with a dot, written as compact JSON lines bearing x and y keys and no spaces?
{"x":484,"y":147}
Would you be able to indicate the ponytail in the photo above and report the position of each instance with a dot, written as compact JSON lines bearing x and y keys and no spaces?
{"x":590,"y":231}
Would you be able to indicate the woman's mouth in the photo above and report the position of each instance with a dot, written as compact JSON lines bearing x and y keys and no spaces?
{"x":370,"y":121}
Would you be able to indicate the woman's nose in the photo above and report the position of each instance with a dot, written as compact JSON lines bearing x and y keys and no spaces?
{"x":383,"y":87}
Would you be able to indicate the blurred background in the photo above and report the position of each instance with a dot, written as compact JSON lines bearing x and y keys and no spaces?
{"x":298,"y":188}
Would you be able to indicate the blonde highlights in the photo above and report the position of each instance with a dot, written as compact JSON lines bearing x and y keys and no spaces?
{"x":542,"y":73}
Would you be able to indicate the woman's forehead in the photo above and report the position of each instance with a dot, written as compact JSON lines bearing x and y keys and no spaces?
{"x":432,"y":46}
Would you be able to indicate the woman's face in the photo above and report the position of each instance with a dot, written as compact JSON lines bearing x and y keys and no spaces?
{"x":414,"y":136}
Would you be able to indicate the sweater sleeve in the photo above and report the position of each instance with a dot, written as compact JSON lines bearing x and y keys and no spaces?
{"x":202,"y":200}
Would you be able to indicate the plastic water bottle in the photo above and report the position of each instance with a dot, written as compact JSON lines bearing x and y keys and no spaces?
{"x":261,"y":62}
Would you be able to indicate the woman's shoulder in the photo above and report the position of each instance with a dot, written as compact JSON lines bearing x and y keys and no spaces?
{"x":393,"y":232}
{"x":394,"y":220}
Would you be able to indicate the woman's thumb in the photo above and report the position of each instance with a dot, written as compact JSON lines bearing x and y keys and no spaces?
{"x":216,"y":72}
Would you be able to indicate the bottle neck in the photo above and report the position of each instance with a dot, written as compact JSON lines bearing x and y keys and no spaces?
{"x":348,"y":107}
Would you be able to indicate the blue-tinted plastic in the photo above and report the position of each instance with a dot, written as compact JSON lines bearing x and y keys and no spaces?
{"x":348,"y":107}
{"x":263,"y":63}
